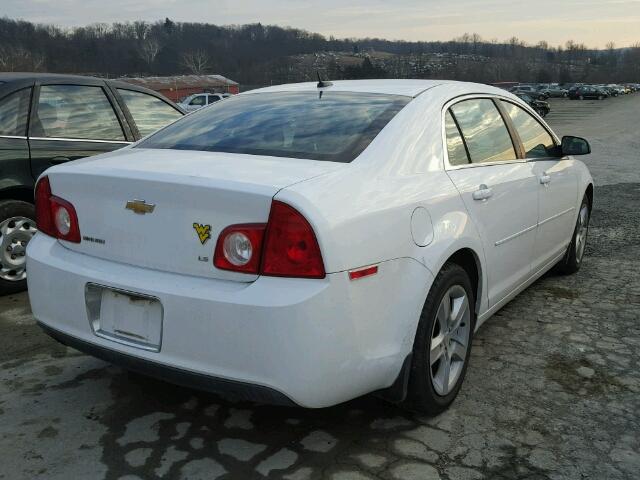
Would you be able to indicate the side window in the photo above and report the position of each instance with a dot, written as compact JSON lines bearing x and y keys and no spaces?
{"x":14,"y":113}
{"x":484,"y":131}
{"x":455,"y":145}
{"x":200,"y":100}
{"x":536,"y":140}
{"x":76,"y":111}
{"x":149,"y":112}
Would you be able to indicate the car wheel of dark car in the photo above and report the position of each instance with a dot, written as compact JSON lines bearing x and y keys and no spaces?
{"x":17,"y":227}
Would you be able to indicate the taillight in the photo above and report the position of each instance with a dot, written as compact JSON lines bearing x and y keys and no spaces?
{"x":239,"y":248}
{"x":284,"y":247}
{"x":290,"y":245}
{"x":55,"y":216}
{"x":44,"y":220}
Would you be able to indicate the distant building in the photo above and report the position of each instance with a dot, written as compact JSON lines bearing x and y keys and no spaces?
{"x":179,"y":86}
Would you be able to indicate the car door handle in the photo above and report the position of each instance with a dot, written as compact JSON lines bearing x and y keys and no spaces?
{"x":56,"y":160}
{"x":544,"y":179}
{"x":482,"y":193}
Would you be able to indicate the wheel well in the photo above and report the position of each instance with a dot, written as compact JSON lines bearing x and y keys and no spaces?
{"x":468,"y":260}
{"x":18,"y":193}
{"x":589,"y":194}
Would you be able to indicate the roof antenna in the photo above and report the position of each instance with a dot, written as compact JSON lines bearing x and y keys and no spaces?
{"x":322,"y":83}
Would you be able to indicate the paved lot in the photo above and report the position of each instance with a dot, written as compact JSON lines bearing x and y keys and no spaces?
{"x":552,"y":392}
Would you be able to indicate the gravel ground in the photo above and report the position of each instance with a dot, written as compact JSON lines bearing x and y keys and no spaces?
{"x":552,"y":391}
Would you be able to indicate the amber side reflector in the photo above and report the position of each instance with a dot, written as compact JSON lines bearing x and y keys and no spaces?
{"x":365,"y":272}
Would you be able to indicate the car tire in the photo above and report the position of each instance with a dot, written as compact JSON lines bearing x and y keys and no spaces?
{"x":580,"y":97}
{"x":433,"y":385}
{"x":17,"y":226}
{"x":572,"y":260}
{"x":600,"y":97}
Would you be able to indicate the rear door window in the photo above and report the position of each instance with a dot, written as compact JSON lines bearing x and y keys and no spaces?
{"x":333,"y":126}
{"x":76,"y":112}
{"x":484,"y":131}
{"x":14,"y":113}
{"x":198,"y":101}
{"x":149,"y":112}
{"x":456,"y":150}
{"x":536,"y":140}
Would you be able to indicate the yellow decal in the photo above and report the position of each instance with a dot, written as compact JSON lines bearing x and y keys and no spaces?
{"x":203,"y":231}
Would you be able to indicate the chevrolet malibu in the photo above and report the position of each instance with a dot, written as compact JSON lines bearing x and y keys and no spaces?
{"x":307,"y":244}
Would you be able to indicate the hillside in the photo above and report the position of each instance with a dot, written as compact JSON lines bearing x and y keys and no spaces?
{"x":258,"y":54}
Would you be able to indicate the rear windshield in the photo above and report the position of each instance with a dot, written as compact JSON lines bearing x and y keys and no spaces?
{"x":333,"y":126}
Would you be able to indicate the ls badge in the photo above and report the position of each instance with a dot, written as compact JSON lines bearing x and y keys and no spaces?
{"x":203,"y":231}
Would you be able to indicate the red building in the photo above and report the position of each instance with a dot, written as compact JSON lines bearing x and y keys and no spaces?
{"x":179,"y":86}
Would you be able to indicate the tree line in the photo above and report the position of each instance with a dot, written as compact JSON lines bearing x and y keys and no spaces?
{"x":263,"y":54}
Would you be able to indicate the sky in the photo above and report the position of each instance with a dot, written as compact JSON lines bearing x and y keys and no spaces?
{"x":593,"y":22}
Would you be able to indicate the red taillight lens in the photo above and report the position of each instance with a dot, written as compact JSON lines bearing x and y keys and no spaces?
{"x":55,"y":216}
{"x":290,"y":245}
{"x":284,"y":247}
{"x":239,"y":248}
{"x":44,"y":220}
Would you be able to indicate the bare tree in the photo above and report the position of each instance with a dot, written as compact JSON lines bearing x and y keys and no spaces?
{"x":149,"y":49}
{"x":141,"y":28}
{"x":18,"y":58}
{"x":196,"y":62}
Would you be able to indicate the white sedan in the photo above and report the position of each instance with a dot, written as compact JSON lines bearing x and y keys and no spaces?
{"x":307,"y":244}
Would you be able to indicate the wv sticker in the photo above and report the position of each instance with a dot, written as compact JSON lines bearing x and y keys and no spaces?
{"x":203,"y":231}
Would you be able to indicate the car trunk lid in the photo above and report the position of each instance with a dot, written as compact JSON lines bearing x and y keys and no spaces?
{"x":164,"y":209}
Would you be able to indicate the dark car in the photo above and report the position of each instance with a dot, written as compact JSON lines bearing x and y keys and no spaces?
{"x":587,"y":92}
{"x":529,"y":90}
{"x":46,"y":119}
{"x":541,"y":107}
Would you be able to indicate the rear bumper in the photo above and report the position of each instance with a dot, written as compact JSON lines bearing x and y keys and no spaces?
{"x":314,"y":343}
{"x":239,"y":390}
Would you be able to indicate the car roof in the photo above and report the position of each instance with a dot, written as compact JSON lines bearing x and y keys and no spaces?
{"x":16,"y":76}
{"x":409,"y":88}
{"x":7,"y":78}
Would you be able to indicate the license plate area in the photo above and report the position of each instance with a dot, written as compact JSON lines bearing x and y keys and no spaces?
{"x":125,"y":317}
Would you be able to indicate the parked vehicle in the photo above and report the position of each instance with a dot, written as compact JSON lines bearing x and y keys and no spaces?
{"x":619,"y":89}
{"x":199,"y":100}
{"x":529,"y":90}
{"x":554,"y":91}
{"x":541,"y":107}
{"x":587,"y":92}
{"x":611,"y":92}
{"x":47,"y":119}
{"x":307,"y":244}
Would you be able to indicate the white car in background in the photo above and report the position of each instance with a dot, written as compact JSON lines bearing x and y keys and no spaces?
{"x":307,"y":244}
{"x":199,"y":100}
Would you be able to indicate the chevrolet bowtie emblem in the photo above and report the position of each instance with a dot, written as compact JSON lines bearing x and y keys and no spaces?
{"x":140,"y":206}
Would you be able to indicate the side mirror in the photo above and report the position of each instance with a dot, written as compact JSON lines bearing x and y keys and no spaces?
{"x":575,"y":146}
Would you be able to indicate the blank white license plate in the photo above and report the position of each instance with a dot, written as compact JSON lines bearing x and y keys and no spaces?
{"x":125,"y":317}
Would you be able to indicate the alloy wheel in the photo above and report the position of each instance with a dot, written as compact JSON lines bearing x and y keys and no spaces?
{"x":582,"y":231}
{"x":15,"y":233}
{"x":450,"y":340}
